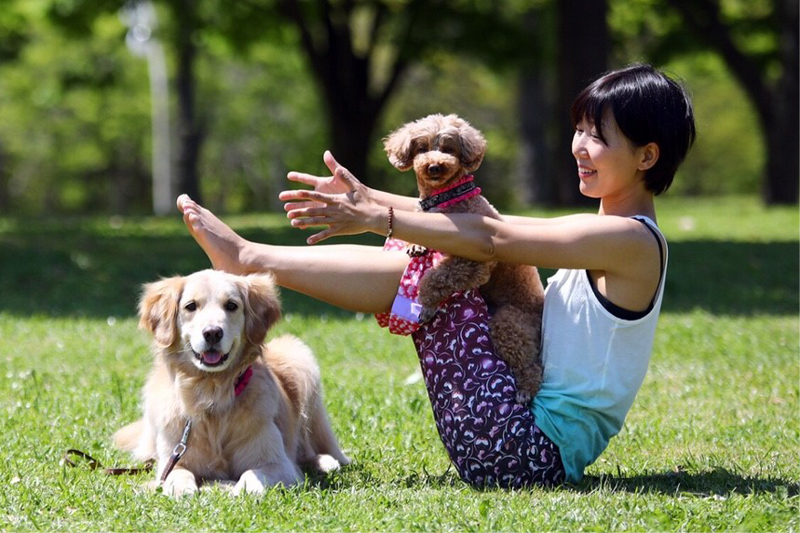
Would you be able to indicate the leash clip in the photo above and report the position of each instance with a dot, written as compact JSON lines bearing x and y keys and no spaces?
{"x":177,"y":452}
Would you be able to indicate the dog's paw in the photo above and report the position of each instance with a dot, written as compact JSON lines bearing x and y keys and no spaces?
{"x":524,"y":397}
{"x":415,"y":250}
{"x":326,"y":463}
{"x":252,"y":481}
{"x":179,"y":484}
{"x":427,"y":314}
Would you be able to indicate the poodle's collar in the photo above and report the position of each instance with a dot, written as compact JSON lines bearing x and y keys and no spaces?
{"x":242,"y":380}
{"x":452,"y":194}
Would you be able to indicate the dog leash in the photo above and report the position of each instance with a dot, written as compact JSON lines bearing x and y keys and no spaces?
{"x":177,"y":452}
{"x":94,"y":464}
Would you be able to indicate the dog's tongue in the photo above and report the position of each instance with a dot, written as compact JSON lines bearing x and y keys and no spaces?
{"x":211,"y":357}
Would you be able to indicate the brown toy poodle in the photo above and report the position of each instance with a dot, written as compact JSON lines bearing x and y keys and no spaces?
{"x":444,"y":151}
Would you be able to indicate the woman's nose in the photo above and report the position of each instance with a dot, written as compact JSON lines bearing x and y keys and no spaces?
{"x":578,"y":144}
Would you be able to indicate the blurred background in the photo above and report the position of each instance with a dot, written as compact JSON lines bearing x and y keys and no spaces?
{"x":114,"y":107}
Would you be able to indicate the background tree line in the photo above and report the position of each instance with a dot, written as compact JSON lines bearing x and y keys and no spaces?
{"x":258,"y":87}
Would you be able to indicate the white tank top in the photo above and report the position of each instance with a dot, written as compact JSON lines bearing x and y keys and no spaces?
{"x":594,"y":364}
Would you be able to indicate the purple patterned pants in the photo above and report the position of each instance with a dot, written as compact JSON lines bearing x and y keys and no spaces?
{"x":492,"y":440}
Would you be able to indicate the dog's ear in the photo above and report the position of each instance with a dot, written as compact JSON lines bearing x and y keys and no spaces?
{"x":158,"y":309}
{"x":398,"y":148}
{"x":262,"y":306}
{"x":473,"y":147}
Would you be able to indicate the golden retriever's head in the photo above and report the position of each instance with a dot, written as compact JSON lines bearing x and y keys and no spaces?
{"x":209,"y":317}
{"x":440,"y":149}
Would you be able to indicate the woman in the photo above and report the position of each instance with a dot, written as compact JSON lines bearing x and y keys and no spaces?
{"x":633,"y":127}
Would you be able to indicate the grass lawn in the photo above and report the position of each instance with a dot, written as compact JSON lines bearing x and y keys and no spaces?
{"x":711,"y":443}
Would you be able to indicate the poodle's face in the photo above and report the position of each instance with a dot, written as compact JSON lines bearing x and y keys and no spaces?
{"x":439,"y":148}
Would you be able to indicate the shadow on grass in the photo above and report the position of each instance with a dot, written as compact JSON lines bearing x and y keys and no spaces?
{"x":75,"y":268}
{"x":715,"y":483}
{"x":74,"y":271}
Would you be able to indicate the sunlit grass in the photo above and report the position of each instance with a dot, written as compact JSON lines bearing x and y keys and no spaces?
{"x":711,"y":442}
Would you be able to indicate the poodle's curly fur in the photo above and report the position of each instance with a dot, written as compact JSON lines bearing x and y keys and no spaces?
{"x":441,"y":150}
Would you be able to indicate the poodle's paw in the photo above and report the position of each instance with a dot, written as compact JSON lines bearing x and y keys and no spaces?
{"x":427,"y":314}
{"x":524,"y":397}
{"x":415,"y":250}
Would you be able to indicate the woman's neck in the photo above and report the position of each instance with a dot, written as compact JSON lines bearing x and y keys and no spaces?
{"x":643,"y":205}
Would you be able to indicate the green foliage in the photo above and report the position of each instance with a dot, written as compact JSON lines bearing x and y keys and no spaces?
{"x":710,"y":445}
{"x":75,"y":115}
{"x":729,"y":154}
{"x":75,"y":134}
{"x":264,"y":119}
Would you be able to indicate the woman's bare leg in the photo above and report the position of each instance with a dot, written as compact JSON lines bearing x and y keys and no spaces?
{"x":356,"y":278}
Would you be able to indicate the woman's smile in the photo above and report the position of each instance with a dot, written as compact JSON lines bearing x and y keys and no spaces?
{"x":585,"y":172}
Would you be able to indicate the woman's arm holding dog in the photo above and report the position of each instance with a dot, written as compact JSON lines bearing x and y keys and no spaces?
{"x":605,"y":243}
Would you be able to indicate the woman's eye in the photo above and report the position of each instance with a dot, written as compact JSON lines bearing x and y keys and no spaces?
{"x":191,"y":306}
{"x":231,"y":306}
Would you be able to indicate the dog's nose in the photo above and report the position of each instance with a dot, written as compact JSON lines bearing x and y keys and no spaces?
{"x":434,"y":169}
{"x":212,"y":335}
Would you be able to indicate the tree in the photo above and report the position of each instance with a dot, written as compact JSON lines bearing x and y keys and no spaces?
{"x":768,"y":73}
{"x":13,"y":36}
{"x":359,"y":51}
{"x":583,"y":46}
{"x":567,"y":44}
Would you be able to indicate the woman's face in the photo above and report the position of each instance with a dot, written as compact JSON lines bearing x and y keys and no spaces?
{"x":607,"y":168}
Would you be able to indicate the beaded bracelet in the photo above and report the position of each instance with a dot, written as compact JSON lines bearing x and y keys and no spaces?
{"x":391,"y":223}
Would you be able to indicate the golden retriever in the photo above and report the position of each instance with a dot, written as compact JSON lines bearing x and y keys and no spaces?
{"x":256,"y":409}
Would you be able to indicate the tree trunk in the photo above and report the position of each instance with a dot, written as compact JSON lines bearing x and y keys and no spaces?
{"x":351,"y":140}
{"x":583,"y":45}
{"x":534,"y":149}
{"x":189,"y":130}
{"x":535,"y":110}
{"x":777,"y":104}
{"x":783,"y":134}
{"x":353,"y":101}
{"x":5,"y":174}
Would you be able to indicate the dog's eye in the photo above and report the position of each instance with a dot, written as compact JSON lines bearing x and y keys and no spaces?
{"x":191,"y":306}
{"x":448,"y":150}
{"x":231,"y":306}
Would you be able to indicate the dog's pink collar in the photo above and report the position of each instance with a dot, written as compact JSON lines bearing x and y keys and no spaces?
{"x":452,"y":194}
{"x":243,"y":380}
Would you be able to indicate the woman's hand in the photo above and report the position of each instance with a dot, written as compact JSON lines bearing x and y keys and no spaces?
{"x":340,"y":202}
{"x":340,"y":182}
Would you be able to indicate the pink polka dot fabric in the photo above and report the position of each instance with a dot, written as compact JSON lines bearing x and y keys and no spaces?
{"x":403,"y":319}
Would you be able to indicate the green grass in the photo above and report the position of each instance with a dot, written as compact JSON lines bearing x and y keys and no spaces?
{"x":711,"y":443}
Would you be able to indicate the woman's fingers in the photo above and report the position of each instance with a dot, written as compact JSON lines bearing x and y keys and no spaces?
{"x":292,"y":206}
{"x":306,"y":196}
{"x":302,"y":177}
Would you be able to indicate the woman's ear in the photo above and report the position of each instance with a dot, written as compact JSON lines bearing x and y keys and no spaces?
{"x":158,"y":309}
{"x":649,"y":156}
{"x":262,"y":306}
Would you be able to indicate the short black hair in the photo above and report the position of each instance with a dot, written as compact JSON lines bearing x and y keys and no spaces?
{"x":648,"y":106}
